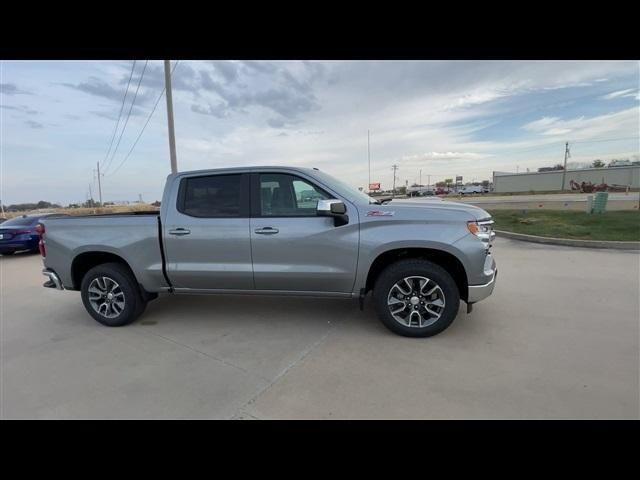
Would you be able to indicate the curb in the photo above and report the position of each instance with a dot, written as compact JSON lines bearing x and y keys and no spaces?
{"x":567,"y":242}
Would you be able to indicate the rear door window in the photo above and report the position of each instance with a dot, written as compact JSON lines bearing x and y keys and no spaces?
{"x":212,"y":196}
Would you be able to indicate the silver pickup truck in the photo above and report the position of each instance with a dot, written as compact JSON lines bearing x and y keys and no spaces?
{"x":277,"y":231}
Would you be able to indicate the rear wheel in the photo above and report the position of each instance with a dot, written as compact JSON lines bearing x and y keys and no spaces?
{"x":416,"y":298}
{"x":111,"y":295}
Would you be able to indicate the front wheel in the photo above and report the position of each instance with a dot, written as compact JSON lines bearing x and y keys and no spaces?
{"x":416,"y":298}
{"x":111,"y":295}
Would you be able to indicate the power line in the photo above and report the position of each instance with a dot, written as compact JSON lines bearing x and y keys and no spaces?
{"x":558,"y":144}
{"x":133,"y":101}
{"x":607,"y":140}
{"x":120,"y":114}
{"x":145,"y":125}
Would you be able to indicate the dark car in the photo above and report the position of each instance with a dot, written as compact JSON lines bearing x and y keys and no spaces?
{"x":19,"y":233}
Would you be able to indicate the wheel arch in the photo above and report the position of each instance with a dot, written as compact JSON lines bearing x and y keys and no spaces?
{"x":85,"y":261}
{"x":446,"y":260}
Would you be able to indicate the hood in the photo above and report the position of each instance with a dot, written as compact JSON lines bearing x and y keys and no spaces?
{"x":419,"y":208}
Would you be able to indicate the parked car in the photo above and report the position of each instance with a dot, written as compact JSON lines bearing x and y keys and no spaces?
{"x":242,"y":230}
{"x":619,"y":163}
{"x":473,"y":189}
{"x":19,"y":233}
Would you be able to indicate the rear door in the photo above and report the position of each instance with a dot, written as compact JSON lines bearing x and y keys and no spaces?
{"x":206,"y":233}
{"x":293,"y":248}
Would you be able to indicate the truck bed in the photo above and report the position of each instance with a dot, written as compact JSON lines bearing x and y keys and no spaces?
{"x":132,"y":236}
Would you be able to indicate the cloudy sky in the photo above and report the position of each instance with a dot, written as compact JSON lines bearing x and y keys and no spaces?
{"x":469,"y":118}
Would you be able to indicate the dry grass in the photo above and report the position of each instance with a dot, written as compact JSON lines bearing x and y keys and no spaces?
{"x":142,"y":207}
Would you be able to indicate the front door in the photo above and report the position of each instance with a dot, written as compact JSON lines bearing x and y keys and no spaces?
{"x":206,"y":235}
{"x":293,"y":248}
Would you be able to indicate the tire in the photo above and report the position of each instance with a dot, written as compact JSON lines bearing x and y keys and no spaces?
{"x":8,"y":253}
{"x":126,"y":305}
{"x":424,"y":323}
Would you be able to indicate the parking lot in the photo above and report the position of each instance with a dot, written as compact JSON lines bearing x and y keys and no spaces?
{"x":559,"y":338}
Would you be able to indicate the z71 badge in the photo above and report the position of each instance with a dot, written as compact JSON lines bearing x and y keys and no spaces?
{"x":379,"y":213}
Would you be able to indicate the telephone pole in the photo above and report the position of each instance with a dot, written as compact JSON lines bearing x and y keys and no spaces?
{"x":369,"y":159}
{"x":99,"y":185}
{"x":420,"y":183}
{"x":90,"y":195}
{"x":172,"y":135}
{"x":564,"y":170}
{"x":394,"y":167}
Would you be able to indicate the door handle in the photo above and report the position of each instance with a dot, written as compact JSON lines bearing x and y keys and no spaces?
{"x":180,"y":231}
{"x":266,"y":231}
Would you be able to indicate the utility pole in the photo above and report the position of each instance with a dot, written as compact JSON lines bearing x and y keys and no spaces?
{"x":394,"y":167}
{"x":564,"y":170}
{"x":428,"y":180}
{"x":420,"y":183}
{"x":369,"y":159}
{"x":90,"y":195}
{"x":99,"y":185}
{"x":172,"y":135}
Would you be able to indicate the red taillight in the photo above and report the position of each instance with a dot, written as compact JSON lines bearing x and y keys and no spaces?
{"x":22,"y":232}
{"x":40,"y":231}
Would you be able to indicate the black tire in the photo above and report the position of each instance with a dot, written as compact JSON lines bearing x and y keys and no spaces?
{"x":134,"y":303}
{"x":8,"y":253}
{"x":423,"y":268}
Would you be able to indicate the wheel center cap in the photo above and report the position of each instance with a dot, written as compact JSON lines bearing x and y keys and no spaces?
{"x":110,"y":296}
{"x":414,"y":300}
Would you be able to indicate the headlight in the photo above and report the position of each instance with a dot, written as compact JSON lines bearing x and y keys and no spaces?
{"x":483,"y":230}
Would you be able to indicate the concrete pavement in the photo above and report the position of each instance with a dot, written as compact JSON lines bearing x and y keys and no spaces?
{"x":559,"y":338}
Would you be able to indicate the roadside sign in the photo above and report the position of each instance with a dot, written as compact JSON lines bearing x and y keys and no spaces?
{"x":374,"y":186}
{"x":458,"y":179}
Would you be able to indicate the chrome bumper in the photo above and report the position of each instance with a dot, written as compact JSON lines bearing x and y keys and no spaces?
{"x":54,"y":280}
{"x":480,"y":292}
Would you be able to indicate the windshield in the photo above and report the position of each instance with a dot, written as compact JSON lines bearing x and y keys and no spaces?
{"x":20,"y":222}
{"x":344,"y":189}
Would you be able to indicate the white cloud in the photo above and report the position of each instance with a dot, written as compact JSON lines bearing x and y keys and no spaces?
{"x":630,"y":92}
{"x":432,"y":115}
{"x":623,"y":123}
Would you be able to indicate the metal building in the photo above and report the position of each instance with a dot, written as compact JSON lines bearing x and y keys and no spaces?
{"x":552,"y":181}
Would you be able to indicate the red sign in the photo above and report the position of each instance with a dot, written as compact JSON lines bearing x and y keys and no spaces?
{"x":374,"y":186}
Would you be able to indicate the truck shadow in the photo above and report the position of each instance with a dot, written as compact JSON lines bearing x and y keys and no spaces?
{"x":241,"y":312}
{"x":247,"y":308}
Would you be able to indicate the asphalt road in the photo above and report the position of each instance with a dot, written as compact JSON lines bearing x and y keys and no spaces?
{"x":559,"y":338}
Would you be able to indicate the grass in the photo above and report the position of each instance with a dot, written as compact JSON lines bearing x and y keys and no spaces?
{"x":616,"y":225}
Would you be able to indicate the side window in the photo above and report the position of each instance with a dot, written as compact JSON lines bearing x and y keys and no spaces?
{"x":212,"y":196}
{"x":283,"y":195}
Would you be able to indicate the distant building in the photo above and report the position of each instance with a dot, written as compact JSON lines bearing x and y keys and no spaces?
{"x":552,"y":181}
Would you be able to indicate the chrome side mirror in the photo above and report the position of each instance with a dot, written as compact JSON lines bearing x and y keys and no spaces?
{"x":333,"y":208}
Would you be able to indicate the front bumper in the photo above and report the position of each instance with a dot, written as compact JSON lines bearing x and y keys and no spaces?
{"x":480,"y":292}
